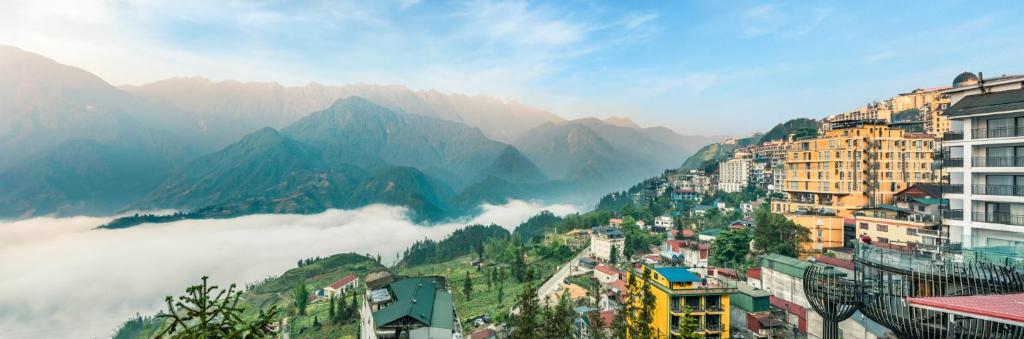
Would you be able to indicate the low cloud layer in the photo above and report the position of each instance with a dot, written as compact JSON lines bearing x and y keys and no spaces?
{"x":61,"y":278}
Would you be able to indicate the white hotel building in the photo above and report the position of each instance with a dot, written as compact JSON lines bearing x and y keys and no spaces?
{"x":984,"y":161}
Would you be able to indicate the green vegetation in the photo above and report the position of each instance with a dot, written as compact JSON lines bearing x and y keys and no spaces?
{"x":776,"y":234}
{"x":732,"y":249}
{"x":206,"y":311}
{"x":461,"y":242}
{"x":798,"y":126}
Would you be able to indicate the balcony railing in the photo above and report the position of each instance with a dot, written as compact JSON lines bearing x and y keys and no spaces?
{"x":1005,"y":190}
{"x":999,"y":132}
{"x":953,"y":136}
{"x":1000,"y":218}
{"x":712,"y":327}
{"x":953,"y":188}
{"x":997,"y":162}
{"x":953,"y":214}
{"x":953,"y":162}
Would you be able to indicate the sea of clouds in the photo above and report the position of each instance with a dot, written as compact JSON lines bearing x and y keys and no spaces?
{"x":62,"y":278}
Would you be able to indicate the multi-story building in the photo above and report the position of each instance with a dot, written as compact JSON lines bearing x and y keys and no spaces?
{"x":604,"y":240}
{"x":929,"y":103}
{"x":420,"y":307}
{"x":854,"y":165}
{"x":911,"y":224}
{"x":984,"y":159}
{"x":676,"y":289}
{"x":734,"y":175}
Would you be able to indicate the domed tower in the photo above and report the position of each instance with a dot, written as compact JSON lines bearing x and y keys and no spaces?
{"x":965,"y":79}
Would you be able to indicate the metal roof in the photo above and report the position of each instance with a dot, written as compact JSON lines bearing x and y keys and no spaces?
{"x":423,"y":299}
{"x":991,"y":102}
{"x":677,"y":274}
{"x":1003,"y":308}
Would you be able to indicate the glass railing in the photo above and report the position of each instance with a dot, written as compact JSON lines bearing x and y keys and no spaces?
{"x":998,"y":132}
{"x":953,"y":214}
{"x":953,"y":188}
{"x":1006,"y":190}
{"x":906,"y":258}
{"x":953,"y":136}
{"x":999,"y":218}
{"x":953,"y":162}
{"x":997,"y":162}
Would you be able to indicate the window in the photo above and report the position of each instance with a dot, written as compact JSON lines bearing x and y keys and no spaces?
{"x":911,"y":231}
{"x":883,"y":240}
{"x":882,"y":228}
{"x":863,"y":225}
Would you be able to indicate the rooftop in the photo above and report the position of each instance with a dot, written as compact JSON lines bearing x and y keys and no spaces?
{"x":677,"y":274}
{"x":344,"y":281}
{"x":1003,"y":308}
{"x":424,"y":299}
{"x":991,"y":102}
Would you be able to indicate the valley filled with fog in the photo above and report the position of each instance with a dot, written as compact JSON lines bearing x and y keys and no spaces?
{"x":64,"y":278}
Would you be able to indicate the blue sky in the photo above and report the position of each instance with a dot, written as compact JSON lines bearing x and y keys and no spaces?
{"x":700,"y":67}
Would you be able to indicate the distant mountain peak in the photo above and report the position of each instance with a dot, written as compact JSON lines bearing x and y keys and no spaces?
{"x":621,"y":122}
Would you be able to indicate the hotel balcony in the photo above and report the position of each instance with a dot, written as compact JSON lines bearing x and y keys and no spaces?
{"x":953,"y":162}
{"x":1001,"y":132}
{"x":999,"y":218}
{"x":953,"y":136}
{"x":952,"y":214}
{"x":953,"y":188}
{"x":997,"y":162}
{"x":1003,"y":190}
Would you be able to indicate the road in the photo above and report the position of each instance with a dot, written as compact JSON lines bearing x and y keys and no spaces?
{"x":549,"y":287}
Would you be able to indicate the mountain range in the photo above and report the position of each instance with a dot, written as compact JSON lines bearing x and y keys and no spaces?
{"x":75,"y":144}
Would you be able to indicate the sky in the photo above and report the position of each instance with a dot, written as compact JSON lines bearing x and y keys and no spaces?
{"x":699,"y":67}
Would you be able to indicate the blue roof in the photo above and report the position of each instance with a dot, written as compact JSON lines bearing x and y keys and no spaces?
{"x":677,"y":274}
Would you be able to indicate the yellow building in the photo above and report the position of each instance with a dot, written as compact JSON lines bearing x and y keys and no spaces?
{"x":930,"y":102}
{"x":674,"y":289}
{"x":853,"y":165}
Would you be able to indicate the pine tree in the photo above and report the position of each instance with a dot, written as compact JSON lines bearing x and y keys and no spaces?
{"x":301,"y":295}
{"x":501,"y":293}
{"x":467,"y":287}
{"x":490,"y":280}
{"x":558,"y":320}
{"x":688,"y":325}
{"x":619,"y":326}
{"x":525,"y":322}
{"x":648,"y":301}
{"x":679,"y":229}
{"x":331,"y":315}
{"x":613,"y":257}
{"x":205,"y":312}
{"x":597,"y":326}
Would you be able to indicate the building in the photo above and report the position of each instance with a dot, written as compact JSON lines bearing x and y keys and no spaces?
{"x":685,"y":195}
{"x":663,"y":223}
{"x":606,"y":274}
{"x":342,"y":286}
{"x":734,"y":175}
{"x":854,"y":165}
{"x":420,"y":307}
{"x":984,"y":159}
{"x":922,"y":105}
{"x":751,"y":314}
{"x":675,"y":290}
{"x":603,"y":240}
{"x":912,"y":223}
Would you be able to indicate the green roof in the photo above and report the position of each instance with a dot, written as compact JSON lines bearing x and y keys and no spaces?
{"x":786,"y":265}
{"x":750,"y":299}
{"x":712,"y":231}
{"x":931,"y":201}
{"x":423,"y":299}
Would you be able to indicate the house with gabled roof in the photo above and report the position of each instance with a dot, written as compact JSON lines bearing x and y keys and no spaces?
{"x":418,"y":308}
{"x":344,"y":285}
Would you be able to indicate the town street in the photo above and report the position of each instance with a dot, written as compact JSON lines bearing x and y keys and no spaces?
{"x":549,"y":287}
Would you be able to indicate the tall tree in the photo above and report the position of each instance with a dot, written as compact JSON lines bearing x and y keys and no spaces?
{"x":558,"y":320}
{"x":331,"y":313}
{"x":688,"y":325}
{"x":207,"y":311}
{"x":596,"y":326}
{"x":679,"y":228}
{"x":301,"y":296}
{"x":525,"y":322}
{"x":731,"y":249}
{"x":776,"y":234}
{"x":646,"y":311}
{"x":613,"y":257}
{"x":501,"y":292}
{"x":467,"y":287}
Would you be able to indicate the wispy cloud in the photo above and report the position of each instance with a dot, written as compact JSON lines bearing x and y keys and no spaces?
{"x":67,"y":279}
{"x":772,"y":19}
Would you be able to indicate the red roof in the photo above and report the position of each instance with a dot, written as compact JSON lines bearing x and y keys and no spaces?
{"x":833,"y":261}
{"x":1004,"y":308}
{"x":607,"y":318}
{"x":344,"y":281}
{"x":619,"y":285}
{"x":483,"y":334}
{"x":728,"y":272}
{"x":606,"y":270}
{"x":754,"y":273}
{"x":675,"y":245}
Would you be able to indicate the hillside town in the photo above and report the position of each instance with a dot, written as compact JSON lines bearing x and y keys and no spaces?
{"x":815,"y":234}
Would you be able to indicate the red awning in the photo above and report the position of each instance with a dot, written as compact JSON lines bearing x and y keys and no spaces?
{"x":1003,"y":308}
